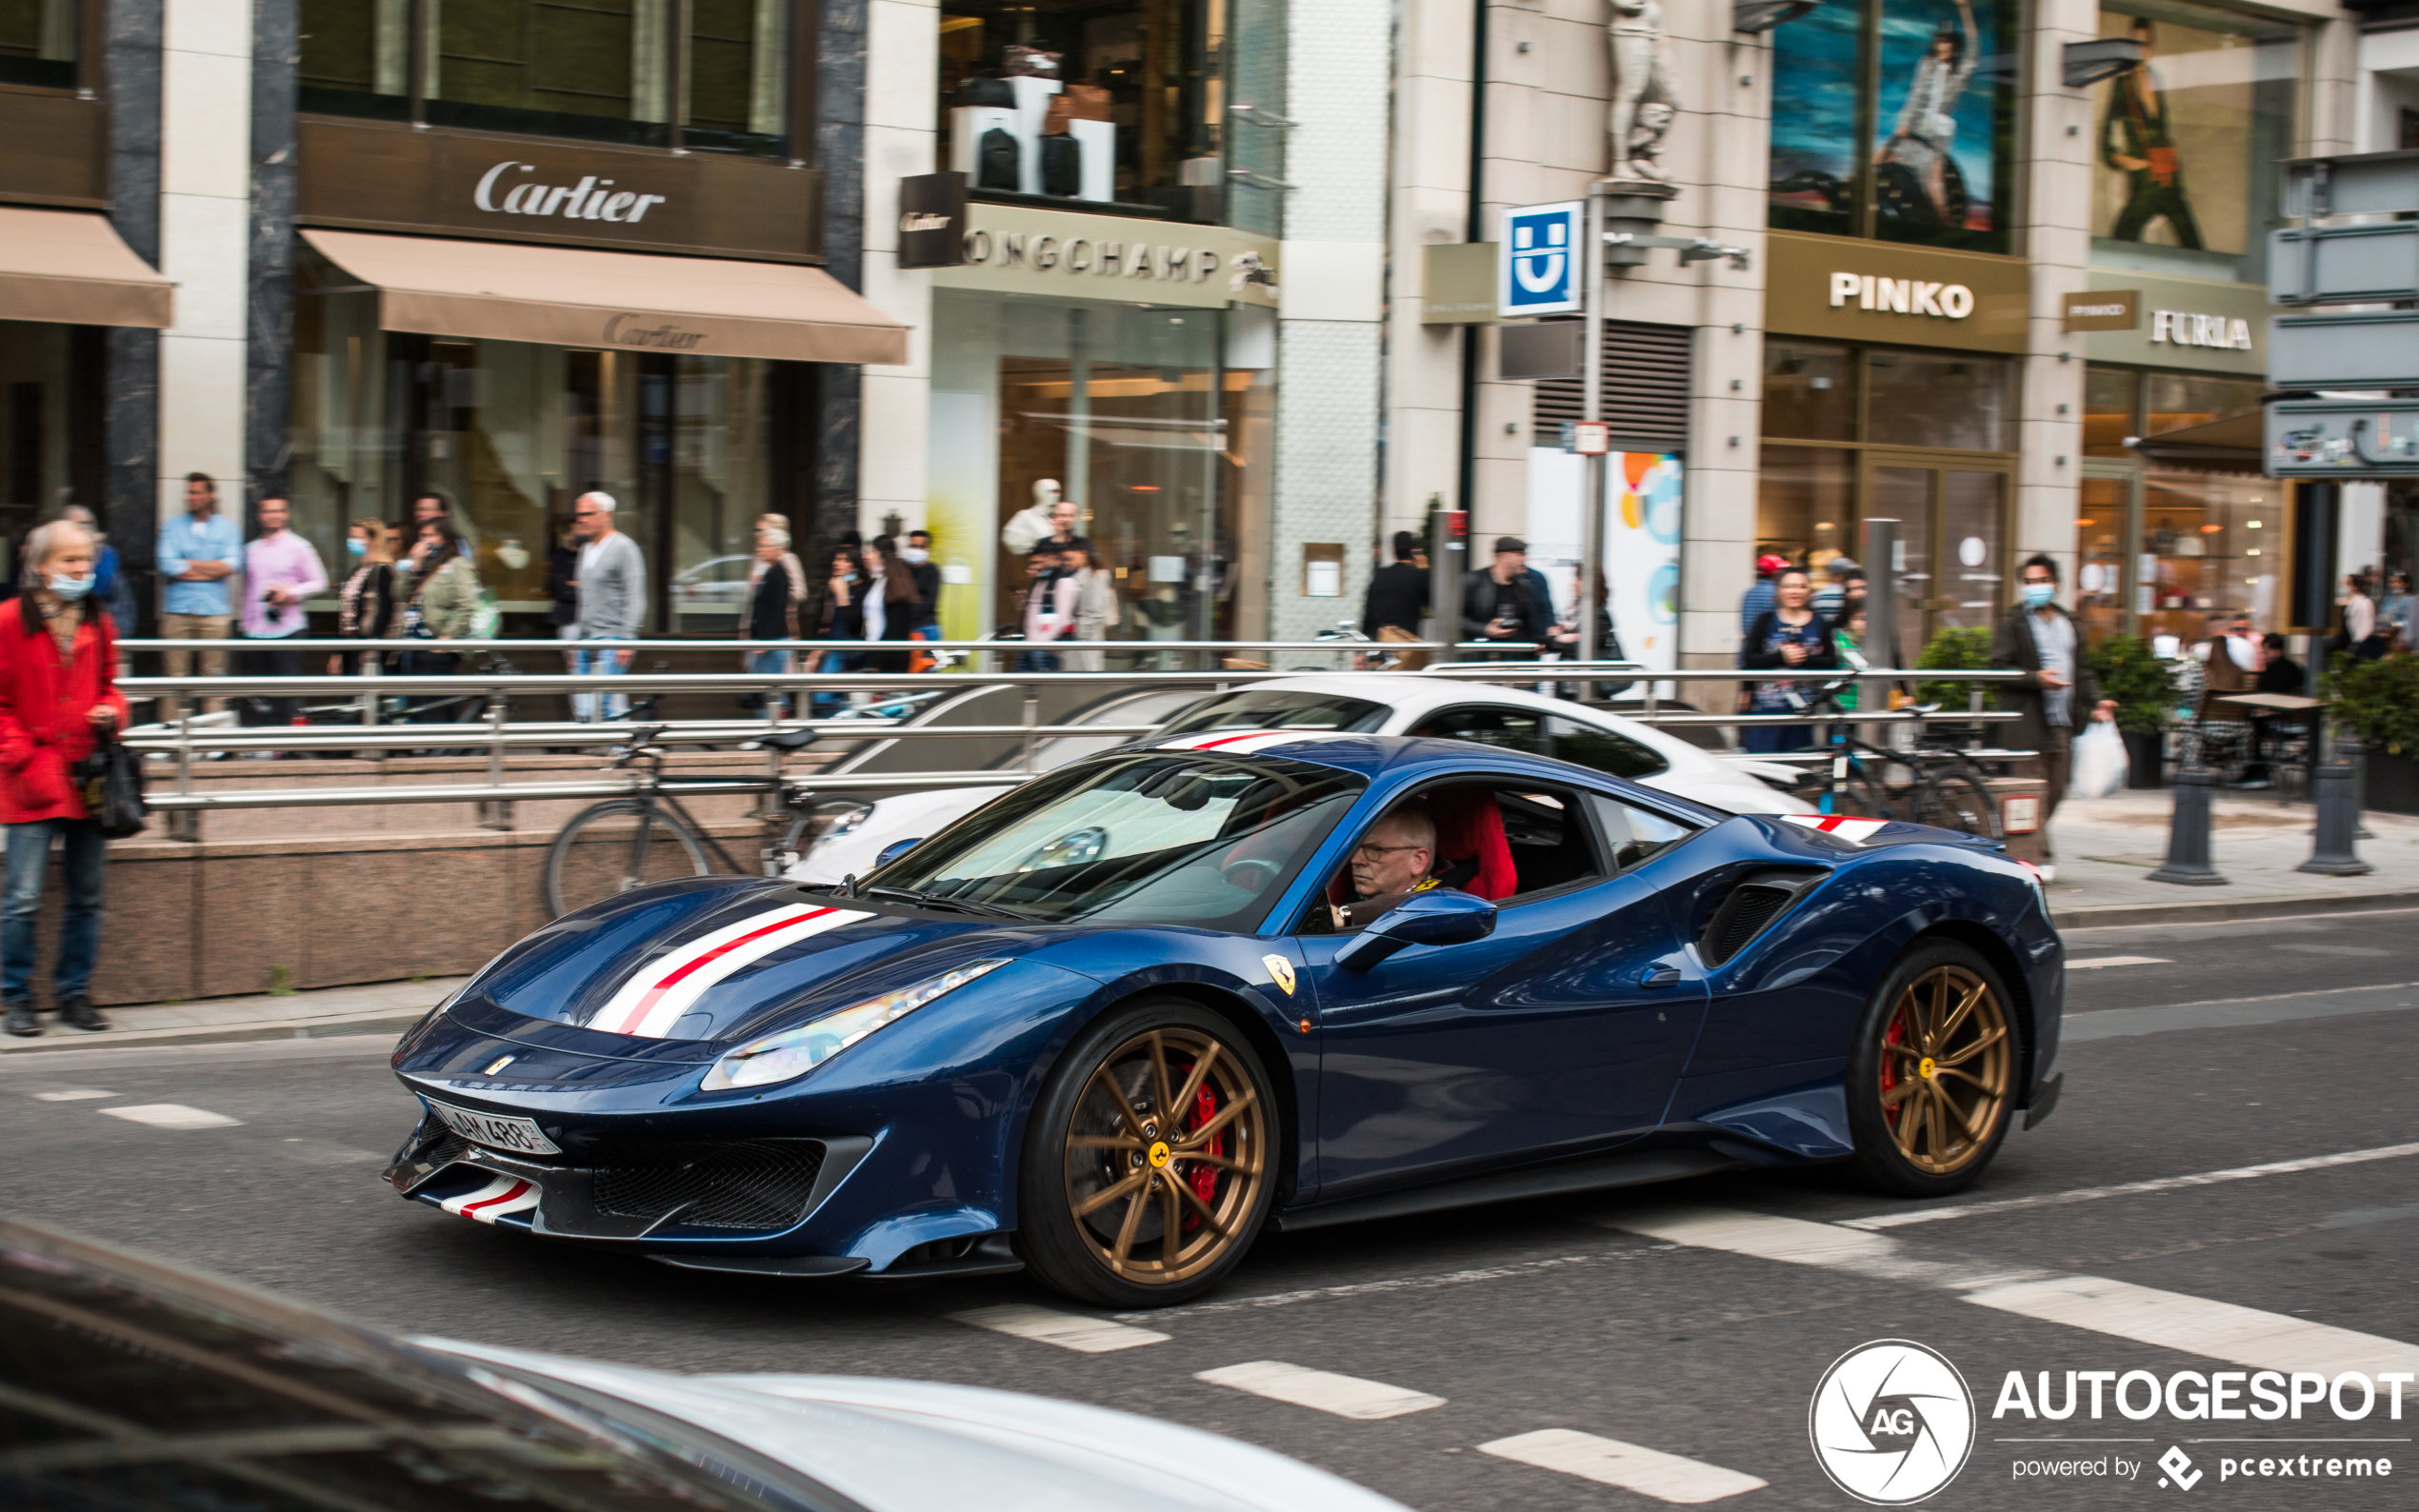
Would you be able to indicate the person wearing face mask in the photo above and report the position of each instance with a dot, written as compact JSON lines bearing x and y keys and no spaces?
{"x":366,"y":604}
{"x":840,"y":616}
{"x":917,"y":554}
{"x":58,"y":699}
{"x":111,"y":589}
{"x":2057,"y":695}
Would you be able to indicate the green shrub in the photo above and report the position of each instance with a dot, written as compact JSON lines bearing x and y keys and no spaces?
{"x":2143,"y":685}
{"x":1954,"y":651}
{"x":2378,"y":699}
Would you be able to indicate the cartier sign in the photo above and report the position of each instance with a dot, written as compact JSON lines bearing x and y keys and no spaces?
{"x":376,"y":176}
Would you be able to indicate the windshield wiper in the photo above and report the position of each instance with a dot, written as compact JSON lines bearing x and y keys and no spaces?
{"x":934,"y":899}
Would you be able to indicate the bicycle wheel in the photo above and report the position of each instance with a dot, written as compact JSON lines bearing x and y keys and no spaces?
{"x":1956,"y":801}
{"x":610,"y":847}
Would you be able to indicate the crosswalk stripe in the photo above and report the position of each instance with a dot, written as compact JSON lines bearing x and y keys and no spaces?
{"x":1609,"y":1462}
{"x":2192,"y":1326}
{"x":1345,"y":1395}
{"x":1088,"y":1336}
{"x":73,"y":1094}
{"x":2159,"y":1183}
{"x":2118,"y":961}
{"x":172,"y":1115}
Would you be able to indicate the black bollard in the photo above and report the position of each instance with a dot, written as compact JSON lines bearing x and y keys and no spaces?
{"x":2337,"y":792}
{"x":2187,"y":835}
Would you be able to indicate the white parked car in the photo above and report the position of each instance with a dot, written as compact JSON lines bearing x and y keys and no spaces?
{"x":855,"y":834}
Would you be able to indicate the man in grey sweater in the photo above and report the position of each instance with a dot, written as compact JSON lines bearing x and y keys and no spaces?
{"x":613,"y":601}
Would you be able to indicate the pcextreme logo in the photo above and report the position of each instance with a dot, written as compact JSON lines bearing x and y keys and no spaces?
{"x":1891,"y":1422}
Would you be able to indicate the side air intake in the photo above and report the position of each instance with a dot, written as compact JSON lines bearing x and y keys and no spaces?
{"x":1748,"y":909}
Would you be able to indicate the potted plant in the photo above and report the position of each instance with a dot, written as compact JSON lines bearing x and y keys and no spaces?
{"x":1955,"y":651}
{"x":2379,"y":701}
{"x":2144,"y":689}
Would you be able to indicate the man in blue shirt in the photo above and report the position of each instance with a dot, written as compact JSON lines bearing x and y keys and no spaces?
{"x":199,"y":550}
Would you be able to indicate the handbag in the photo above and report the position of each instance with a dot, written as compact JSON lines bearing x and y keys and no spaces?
{"x":981,"y":91}
{"x":999,"y":163}
{"x":1062,"y":167}
{"x":109,"y":780}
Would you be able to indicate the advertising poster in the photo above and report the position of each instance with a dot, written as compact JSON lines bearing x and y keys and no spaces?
{"x":1933,"y":169}
{"x":1643,"y":496}
{"x":2185,"y":137}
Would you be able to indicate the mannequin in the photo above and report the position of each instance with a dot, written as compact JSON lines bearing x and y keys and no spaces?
{"x":1030,"y":526}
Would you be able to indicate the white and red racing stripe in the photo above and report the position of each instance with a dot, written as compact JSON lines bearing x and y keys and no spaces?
{"x":1855,"y":831}
{"x":505,"y":1194}
{"x":1250,"y":742}
{"x":660,"y":992}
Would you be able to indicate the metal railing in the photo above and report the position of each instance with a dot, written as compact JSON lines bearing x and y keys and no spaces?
{"x":497,"y":735}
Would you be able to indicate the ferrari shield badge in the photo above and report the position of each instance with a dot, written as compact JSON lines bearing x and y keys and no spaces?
{"x":1280,"y":971}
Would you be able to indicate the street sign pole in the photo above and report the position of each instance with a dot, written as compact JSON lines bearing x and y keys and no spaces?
{"x":1591,"y":395}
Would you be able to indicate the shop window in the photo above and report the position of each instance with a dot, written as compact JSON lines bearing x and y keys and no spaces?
{"x":2186,"y":180}
{"x":2111,"y":410}
{"x":49,"y":414}
{"x":1940,"y":399}
{"x":2210,"y":544}
{"x":1896,"y":119}
{"x":1805,"y":503}
{"x":1810,"y":391}
{"x":510,"y":432}
{"x":2181,"y":401}
{"x":597,"y":69}
{"x":2099,"y":535}
{"x":1165,"y":108}
{"x":38,"y":42}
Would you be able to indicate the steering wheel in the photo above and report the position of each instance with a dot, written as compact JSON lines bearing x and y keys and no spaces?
{"x":1250,"y":873}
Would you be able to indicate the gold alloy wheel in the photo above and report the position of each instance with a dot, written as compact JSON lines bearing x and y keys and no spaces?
{"x":1947,"y":1058}
{"x":1166,"y":1156}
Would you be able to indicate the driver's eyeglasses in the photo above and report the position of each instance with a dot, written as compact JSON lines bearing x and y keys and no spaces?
{"x":1367,"y":850}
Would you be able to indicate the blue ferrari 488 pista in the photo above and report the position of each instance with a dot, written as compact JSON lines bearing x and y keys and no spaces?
{"x":1115,"y":1022}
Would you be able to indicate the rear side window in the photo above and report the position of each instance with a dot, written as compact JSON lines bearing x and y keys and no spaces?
{"x":1615,"y":755}
{"x":1277,"y":710}
{"x":1504,"y":728}
{"x":1556,"y":735}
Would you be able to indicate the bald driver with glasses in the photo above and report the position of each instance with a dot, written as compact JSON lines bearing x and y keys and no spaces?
{"x":1396,"y":859}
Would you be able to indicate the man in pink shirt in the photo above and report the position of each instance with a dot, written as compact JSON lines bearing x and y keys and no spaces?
{"x":280,"y":570}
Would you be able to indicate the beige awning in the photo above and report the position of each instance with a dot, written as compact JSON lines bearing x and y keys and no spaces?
{"x":568,"y":296}
{"x":69,"y":266}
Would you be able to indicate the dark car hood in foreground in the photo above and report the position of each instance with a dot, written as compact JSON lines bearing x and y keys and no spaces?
{"x":669,"y":971}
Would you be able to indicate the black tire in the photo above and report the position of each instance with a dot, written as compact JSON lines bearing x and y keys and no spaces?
{"x":1956,"y":800}
{"x":605,"y":851}
{"x":1928,"y":1117}
{"x":1091,"y":1212}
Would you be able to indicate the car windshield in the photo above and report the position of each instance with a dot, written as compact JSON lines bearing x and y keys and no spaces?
{"x":1141,"y":837}
{"x":1278,"y":708}
{"x":128,"y":1387}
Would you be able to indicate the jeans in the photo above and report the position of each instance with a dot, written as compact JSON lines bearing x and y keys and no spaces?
{"x":598,"y":658}
{"x":829,"y":705}
{"x":771,"y":663}
{"x":267,"y":659}
{"x":1038,"y":660}
{"x":432,"y":708}
{"x":79,"y":926}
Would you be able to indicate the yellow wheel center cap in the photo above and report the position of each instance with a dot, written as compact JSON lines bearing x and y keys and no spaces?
{"x":1161,"y":1155}
{"x":1926,"y":1068}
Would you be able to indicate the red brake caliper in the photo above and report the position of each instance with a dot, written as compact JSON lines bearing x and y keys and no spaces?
{"x":1205,"y":1177}
{"x":1897,"y":1035}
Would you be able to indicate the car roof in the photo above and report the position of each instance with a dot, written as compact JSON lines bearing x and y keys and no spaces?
{"x":1397,"y":760}
{"x":1416,"y":693}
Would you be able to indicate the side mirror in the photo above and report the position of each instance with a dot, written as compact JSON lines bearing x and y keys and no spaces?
{"x":1438,"y":917}
{"x":895,"y":850}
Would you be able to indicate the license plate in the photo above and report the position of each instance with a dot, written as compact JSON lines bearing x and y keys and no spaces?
{"x":495,"y":1131}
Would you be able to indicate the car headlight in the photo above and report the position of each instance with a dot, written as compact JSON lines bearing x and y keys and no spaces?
{"x":795,"y":1052}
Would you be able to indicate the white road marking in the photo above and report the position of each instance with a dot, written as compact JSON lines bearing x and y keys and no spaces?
{"x":1609,"y":1462}
{"x":2194,"y":1325}
{"x":2161,"y":1184}
{"x":1345,"y":1395}
{"x":1088,"y":1336}
{"x":73,"y":1094}
{"x":2119,"y":961}
{"x":172,"y":1115}
{"x":1364,"y":1288}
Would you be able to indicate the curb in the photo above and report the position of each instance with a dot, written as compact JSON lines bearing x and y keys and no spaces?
{"x":54,"y":1041}
{"x":2219,"y":910}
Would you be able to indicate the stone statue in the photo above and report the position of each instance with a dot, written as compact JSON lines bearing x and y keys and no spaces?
{"x":1644,"y":102}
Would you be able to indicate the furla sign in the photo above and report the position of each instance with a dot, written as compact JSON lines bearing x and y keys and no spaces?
{"x":376,"y":175}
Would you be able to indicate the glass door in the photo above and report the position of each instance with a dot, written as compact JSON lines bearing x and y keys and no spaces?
{"x":2103,"y":582}
{"x":1951,"y":568}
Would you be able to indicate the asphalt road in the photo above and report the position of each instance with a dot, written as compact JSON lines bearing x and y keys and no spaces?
{"x":1694,"y":1319}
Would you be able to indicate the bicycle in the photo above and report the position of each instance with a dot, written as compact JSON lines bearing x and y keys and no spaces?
{"x":592,"y":859}
{"x":1926,"y":784}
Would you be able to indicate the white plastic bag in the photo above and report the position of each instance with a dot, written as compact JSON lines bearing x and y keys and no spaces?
{"x":2099,"y":766}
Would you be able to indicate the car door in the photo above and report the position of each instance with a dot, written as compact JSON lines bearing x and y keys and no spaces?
{"x":1563,"y":1031}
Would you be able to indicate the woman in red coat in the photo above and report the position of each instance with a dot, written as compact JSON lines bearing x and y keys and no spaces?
{"x":58,"y":694}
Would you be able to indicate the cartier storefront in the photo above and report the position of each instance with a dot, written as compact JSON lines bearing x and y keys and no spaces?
{"x":509,"y":291}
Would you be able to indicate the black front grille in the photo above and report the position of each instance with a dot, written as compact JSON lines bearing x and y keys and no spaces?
{"x":755,"y":1183}
{"x":447,"y":1148}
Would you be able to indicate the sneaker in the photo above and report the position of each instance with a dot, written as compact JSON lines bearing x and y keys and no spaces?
{"x":78,"y":1010}
{"x":21,"y":1020}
